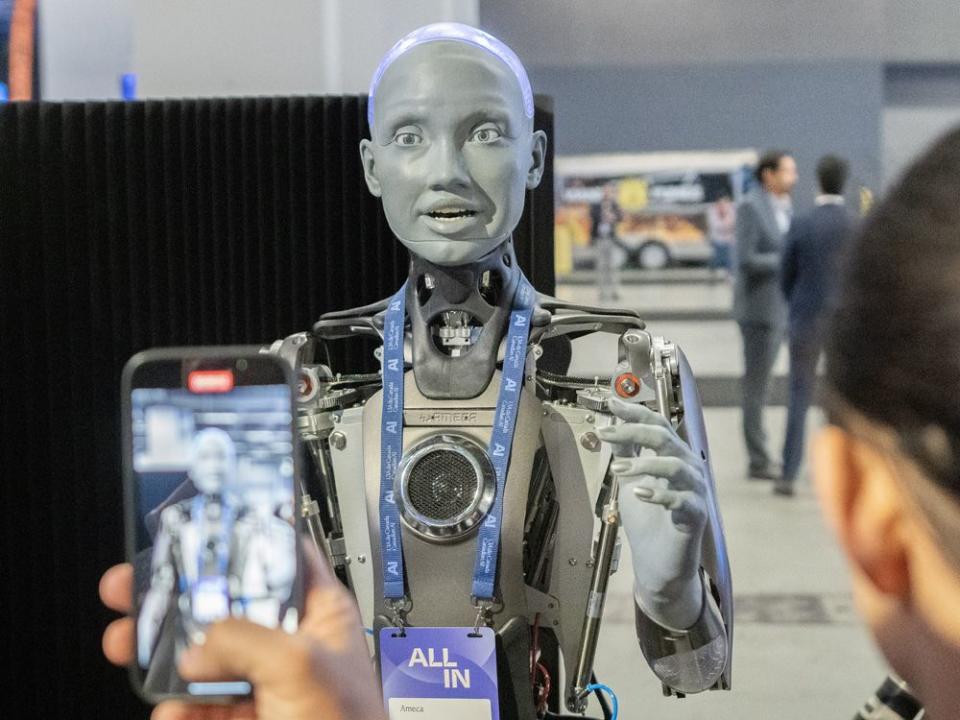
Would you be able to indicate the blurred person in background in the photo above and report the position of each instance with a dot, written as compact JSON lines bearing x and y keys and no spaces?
{"x":887,"y":466}
{"x":808,"y":277}
{"x":762,"y":222}
{"x":721,"y":227}
{"x":604,"y":218}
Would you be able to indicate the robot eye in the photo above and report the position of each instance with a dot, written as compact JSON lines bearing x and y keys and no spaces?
{"x":485,"y":134}
{"x":407,"y":138}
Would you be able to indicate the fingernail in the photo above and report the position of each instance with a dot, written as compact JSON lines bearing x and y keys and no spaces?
{"x":604,"y":431}
{"x":643,"y":493}
{"x":619,"y":466}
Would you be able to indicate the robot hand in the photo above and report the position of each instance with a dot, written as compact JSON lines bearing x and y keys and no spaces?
{"x":663,"y":510}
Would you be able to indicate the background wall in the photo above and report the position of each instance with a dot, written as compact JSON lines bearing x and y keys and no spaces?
{"x":809,"y":76}
{"x":252,"y":47}
{"x":211,"y":48}
{"x":812,"y":76}
{"x":85,"y":47}
{"x":808,"y":108}
{"x":921,"y":102}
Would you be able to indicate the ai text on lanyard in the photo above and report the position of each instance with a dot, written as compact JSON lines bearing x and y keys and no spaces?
{"x":501,"y":441}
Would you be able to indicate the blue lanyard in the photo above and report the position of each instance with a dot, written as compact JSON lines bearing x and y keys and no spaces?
{"x":501,"y":442}
{"x":198,"y":514}
{"x":391,"y":446}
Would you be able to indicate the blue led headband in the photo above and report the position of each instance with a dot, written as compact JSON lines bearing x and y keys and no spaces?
{"x":456,"y":32}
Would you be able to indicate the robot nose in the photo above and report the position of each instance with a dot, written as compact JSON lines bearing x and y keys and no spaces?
{"x":446,"y":167}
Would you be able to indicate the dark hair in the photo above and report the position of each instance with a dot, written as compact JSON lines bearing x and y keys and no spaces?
{"x":832,"y":174}
{"x":893,"y":349}
{"x":770,"y":160}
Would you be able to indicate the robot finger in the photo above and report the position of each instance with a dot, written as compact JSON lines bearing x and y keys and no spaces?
{"x":687,"y":510}
{"x":679,"y":474}
{"x":656,"y":437}
{"x":648,"y":490}
{"x":638,"y":413}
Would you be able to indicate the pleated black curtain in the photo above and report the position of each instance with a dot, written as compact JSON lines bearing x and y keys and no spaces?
{"x":130,"y":225}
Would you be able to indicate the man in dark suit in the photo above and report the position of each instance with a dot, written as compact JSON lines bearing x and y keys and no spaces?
{"x":808,"y":276}
{"x":763,"y":220}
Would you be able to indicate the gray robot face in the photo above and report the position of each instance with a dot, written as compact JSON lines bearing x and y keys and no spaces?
{"x":214,"y":462}
{"x":452,"y":152}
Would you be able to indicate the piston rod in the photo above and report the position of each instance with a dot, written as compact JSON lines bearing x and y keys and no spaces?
{"x":606,"y":545}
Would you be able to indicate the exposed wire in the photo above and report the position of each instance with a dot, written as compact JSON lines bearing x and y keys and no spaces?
{"x":547,"y":686}
{"x":600,"y":687}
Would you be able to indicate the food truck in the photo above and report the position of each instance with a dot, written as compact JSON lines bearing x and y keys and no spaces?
{"x":662,"y":202}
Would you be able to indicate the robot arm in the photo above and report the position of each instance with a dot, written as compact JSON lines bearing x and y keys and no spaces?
{"x":671,"y":518}
{"x":163,"y":577}
{"x":664,"y":497}
{"x":322,"y":398}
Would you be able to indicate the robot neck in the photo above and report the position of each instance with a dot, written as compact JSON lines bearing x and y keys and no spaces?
{"x":458,"y":316}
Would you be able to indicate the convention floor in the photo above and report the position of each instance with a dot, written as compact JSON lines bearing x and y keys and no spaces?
{"x":800,"y":650}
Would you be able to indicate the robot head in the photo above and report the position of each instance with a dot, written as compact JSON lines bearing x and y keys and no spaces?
{"x":452,"y":149}
{"x":213,"y":464}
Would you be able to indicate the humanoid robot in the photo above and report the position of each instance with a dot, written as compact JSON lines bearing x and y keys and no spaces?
{"x":410,"y":475}
{"x":189,"y":569}
{"x":224,"y":551}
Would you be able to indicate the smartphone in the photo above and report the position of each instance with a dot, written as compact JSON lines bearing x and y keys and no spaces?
{"x":211,"y":470}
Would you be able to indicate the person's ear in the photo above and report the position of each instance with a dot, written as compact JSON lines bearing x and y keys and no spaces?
{"x":865,"y":507}
{"x":369,"y":167}
{"x":538,"y":159}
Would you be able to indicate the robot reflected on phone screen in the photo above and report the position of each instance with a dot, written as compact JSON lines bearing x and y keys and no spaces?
{"x":223,"y":550}
{"x":608,"y":432}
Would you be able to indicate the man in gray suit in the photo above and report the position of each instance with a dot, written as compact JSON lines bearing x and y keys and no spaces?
{"x":763,"y":220}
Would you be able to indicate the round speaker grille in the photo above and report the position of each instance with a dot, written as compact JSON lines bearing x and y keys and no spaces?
{"x":442,"y":485}
{"x":446,"y":486}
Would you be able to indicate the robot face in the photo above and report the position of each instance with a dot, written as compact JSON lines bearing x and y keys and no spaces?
{"x":214,"y":460}
{"x":453,"y":151}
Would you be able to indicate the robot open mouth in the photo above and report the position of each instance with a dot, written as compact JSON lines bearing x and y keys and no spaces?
{"x":451,"y":214}
{"x":446,"y":486}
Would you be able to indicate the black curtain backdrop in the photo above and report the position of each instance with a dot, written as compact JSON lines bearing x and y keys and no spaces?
{"x":130,"y":225}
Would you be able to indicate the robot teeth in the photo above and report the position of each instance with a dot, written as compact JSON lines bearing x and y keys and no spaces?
{"x":451,"y":214}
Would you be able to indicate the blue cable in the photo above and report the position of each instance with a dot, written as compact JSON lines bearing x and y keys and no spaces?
{"x":607,"y":689}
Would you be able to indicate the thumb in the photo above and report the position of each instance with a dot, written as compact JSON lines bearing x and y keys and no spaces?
{"x":236,"y":648}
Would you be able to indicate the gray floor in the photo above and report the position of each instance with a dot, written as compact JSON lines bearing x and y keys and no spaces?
{"x":800,"y":650}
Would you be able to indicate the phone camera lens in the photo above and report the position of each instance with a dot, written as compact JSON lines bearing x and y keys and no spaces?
{"x":241,"y":364}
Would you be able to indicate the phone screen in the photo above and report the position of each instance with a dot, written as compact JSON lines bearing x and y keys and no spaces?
{"x":213,"y":469}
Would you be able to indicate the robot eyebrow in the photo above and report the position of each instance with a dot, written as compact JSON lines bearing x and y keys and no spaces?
{"x":497,"y":117}
{"x":405,"y":119}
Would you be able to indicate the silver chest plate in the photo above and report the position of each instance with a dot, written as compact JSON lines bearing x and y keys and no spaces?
{"x":440,"y":566}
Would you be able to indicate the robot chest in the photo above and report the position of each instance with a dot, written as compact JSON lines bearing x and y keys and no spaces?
{"x":445,"y":486}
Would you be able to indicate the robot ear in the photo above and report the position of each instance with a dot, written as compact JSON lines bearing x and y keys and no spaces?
{"x":538,"y":157}
{"x":369,"y":167}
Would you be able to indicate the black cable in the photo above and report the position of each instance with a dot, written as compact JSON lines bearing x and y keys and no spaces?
{"x":602,"y":699}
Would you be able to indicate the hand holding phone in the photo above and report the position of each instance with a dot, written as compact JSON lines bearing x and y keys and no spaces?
{"x":323,"y":670}
{"x":210,"y":487}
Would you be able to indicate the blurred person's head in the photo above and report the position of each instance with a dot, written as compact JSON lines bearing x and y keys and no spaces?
{"x":888,"y":465}
{"x":832,"y":172}
{"x":777,"y":172}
